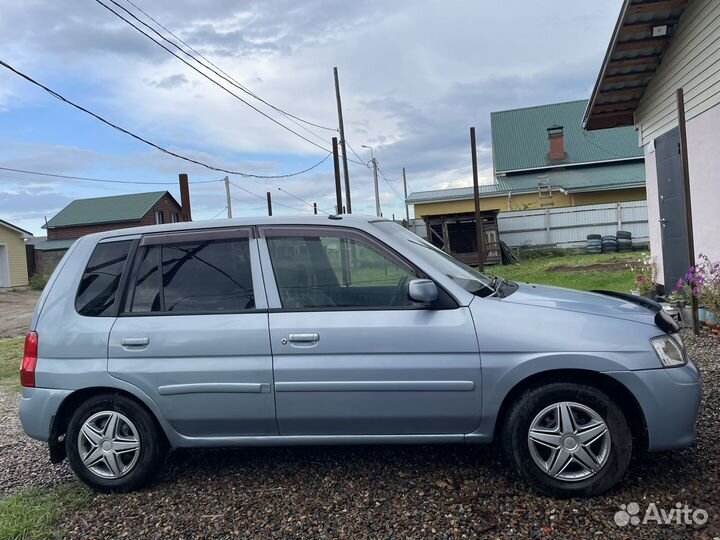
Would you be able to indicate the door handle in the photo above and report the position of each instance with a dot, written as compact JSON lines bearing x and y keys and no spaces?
{"x":134,"y":342}
{"x":304,"y":338}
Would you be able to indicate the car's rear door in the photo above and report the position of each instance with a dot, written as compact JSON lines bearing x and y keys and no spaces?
{"x":194,"y":333}
{"x":352,"y":355}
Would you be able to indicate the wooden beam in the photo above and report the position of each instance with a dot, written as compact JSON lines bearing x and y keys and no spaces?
{"x":615,"y":107}
{"x":635,"y":91}
{"x":638,"y":44}
{"x":609,"y":114}
{"x":618,"y":120}
{"x":645,"y":27}
{"x":637,"y":76}
{"x":652,"y":7}
{"x":649,"y":60}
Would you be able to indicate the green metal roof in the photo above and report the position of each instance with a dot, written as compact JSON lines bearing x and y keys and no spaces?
{"x":105,"y":209}
{"x":589,"y":178}
{"x":520,"y":138}
{"x":54,"y":245}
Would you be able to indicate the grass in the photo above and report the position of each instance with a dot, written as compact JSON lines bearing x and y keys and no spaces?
{"x":584,"y":272}
{"x":33,"y":513}
{"x":10,"y":356}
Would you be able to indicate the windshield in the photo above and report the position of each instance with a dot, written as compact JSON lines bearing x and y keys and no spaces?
{"x":468,"y":278}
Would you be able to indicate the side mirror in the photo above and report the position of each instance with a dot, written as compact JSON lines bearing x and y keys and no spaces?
{"x":422,"y":291}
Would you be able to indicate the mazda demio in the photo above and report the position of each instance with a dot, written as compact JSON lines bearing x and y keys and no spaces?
{"x":340,"y":330}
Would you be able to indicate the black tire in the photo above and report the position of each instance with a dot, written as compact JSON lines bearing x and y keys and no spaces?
{"x":594,"y":236}
{"x":624,"y":234}
{"x":517,"y":448}
{"x":152,"y":443}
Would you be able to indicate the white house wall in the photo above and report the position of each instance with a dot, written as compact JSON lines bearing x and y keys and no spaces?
{"x":703,"y":135}
{"x":692,"y":62}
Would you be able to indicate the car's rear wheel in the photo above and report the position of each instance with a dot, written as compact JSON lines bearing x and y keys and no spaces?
{"x":114,"y":444}
{"x":568,"y":440}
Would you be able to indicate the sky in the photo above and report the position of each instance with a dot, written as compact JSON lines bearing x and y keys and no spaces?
{"x":414,"y":77}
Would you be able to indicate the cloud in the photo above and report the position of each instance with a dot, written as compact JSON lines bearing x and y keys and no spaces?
{"x":171,"y":81}
{"x":414,"y":76}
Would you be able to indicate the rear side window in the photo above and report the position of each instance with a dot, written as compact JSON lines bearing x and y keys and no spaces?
{"x":98,"y":291}
{"x":206,"y":276}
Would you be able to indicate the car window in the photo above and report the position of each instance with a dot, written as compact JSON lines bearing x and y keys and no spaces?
{"x":204,"y":276}
{"x":336,"y":271}
{"x":98,"y":289}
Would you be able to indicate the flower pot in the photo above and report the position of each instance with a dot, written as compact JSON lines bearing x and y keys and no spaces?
{"x":711,"y":318}
{"x":686,"y":316}
{"x":702,"y":314}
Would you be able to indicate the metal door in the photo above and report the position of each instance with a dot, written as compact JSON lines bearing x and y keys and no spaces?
{"x":671,"y":195}
{"x":369,"y":370}
{"x":204,"y":358}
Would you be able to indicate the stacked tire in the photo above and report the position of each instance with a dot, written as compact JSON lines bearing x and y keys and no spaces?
{"x":624,"y":241}
{"x":594,"y":243}
{"x":609,"y":244}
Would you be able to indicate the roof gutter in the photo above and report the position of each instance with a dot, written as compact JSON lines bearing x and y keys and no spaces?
{"x":608,"y":54}
{"x":570,"y":165}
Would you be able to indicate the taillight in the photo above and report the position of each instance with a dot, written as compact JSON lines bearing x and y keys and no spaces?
{"x":29,"y":361}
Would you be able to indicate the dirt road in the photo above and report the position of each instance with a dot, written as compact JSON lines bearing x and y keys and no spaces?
{"x":16,"y":309}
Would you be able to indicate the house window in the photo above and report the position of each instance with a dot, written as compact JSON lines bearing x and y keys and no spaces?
{"x":174,"y":217}
{"x":159,"y":217}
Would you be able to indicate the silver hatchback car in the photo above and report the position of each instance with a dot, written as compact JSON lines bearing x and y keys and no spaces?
{"x":340,"y":330}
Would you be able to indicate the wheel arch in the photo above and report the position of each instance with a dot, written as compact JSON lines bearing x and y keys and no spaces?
{"x":60,"y":421}
{"x":618,"y":392}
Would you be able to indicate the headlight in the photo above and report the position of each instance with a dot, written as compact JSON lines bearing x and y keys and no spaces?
{"x":670,"y":350}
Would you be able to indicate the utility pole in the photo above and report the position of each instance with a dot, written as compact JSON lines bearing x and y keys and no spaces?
{"x":338,"y":185}
{"x":227,"y":197}
{"x":407,"y":210}
{"x":680,"y":101}
{"x":480,"y":234}
{"x":341,"y":127}
{"x":269,"y":200}
{"x":315,"y":208}
{"x":377,"y":190}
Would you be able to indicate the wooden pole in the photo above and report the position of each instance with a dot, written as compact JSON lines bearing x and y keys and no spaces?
{"x":407,"y":211}
{"x":338,"y":186}
{"x":341,"y":129}
{"x":315,"y":208}
{"x":480,"y":235}
{"x":269,"y":201}
{"x":688,"y":202}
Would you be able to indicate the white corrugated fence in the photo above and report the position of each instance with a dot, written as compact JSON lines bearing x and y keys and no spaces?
{"x":568,"y":227}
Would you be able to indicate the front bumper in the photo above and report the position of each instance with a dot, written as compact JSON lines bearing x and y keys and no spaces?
{"x":670,"y":401}
{"x":38,"y":407}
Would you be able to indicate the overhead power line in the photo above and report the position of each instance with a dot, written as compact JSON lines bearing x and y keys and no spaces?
{"x":87,"y":179}
{"x":275,"y":203}
{"x":390,"y":184}
{"x":149,"y":143}
{"x":229,"y":77}
{"x":236,"y":96}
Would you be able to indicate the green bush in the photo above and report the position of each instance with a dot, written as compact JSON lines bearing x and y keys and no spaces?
{"x":38,"y":281}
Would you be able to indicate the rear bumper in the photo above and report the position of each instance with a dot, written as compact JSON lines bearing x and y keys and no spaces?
{"x":38,"y":407}
{"x":670,"y":401}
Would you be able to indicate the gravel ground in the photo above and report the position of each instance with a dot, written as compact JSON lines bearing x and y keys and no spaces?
{"x":381,"y":492}
{"x":16,"y":307}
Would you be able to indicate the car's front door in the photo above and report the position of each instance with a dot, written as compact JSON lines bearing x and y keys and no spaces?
{"x":352,"y":354}
{"x":194,"y":334}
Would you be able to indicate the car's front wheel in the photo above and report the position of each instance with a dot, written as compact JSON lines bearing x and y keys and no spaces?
{"x":113,"y":443}
{"x":568,"y":440}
